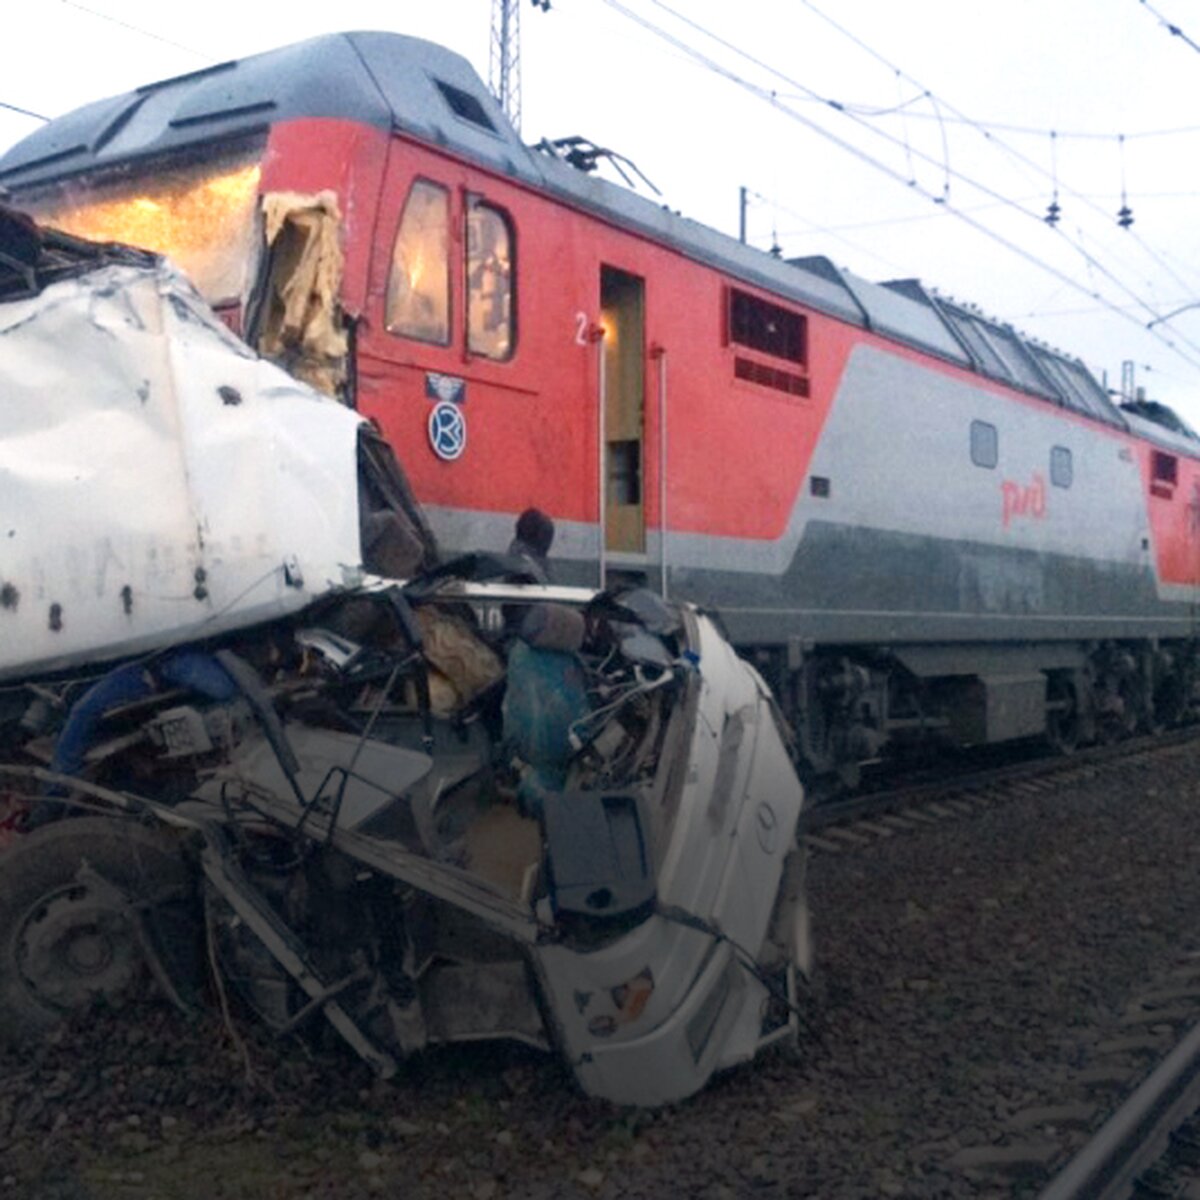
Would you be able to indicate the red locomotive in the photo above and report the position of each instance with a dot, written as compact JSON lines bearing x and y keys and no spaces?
{"x":917,"y":521}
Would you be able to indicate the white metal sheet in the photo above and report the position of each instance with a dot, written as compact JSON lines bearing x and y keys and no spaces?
{"x":158,"y":482}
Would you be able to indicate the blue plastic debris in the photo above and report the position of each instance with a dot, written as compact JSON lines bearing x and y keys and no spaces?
{"x":546,"y":695}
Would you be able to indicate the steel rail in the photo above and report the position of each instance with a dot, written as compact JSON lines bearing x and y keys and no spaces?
{"x":841,"y":812}
{"x":1137,"y":1134}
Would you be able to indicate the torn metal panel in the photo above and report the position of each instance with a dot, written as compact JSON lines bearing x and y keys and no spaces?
{"x":300,"y":326}
{"x":413,"y":877}
{"x":647,"y":1018}
{"x":160,"y":482}
{"x":429,"y":811}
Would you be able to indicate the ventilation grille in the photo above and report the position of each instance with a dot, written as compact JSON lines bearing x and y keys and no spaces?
{"x":772,"y":377}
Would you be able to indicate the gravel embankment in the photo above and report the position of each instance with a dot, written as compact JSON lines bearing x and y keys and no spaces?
{"x":966,"y":975}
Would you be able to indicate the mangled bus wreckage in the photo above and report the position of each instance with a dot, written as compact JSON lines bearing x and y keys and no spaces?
{"x":250,"y":724}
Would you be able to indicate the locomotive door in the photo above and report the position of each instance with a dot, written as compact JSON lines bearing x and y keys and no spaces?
{"x":622,"y":411}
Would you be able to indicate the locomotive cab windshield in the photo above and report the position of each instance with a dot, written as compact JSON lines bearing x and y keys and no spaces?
{"x":197,"y":211}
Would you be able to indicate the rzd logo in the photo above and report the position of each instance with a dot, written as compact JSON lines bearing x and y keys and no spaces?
{"x":1024,"y":500}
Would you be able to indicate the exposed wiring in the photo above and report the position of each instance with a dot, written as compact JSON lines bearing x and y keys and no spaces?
{"x":689,"y":920}
{"x":641,"y":687}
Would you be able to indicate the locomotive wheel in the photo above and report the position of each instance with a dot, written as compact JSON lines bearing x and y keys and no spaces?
{"x":1062,"y":716}
{"x":1170,"y":701}
{"x":1120,"y":714}
{"x":71,"y":931}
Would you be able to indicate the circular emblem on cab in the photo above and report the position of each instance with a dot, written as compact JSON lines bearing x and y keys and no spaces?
{"x":447,"y":430}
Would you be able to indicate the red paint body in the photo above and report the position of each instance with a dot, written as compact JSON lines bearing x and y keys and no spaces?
{"x":533,"y":425}
{"x":533,"y":418}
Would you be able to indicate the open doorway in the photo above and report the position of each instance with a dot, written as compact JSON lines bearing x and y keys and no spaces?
{"x":622,"y":314}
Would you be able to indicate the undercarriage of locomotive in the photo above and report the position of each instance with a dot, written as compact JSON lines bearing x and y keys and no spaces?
{"x":424,"y":814}
{"x":852,"y":707}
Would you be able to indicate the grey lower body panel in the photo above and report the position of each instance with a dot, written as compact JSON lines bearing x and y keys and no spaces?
{"x":847,"y":585}
{"x":853,"y":586}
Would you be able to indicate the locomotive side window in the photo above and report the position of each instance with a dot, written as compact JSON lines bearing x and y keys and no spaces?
{"x":766,"y":327}
{"x":985,"y":444}
{"x":418,"y":295}
{"x":1164,"y":474}
{"x":490,"y":276}
{"x":1062,"y":471}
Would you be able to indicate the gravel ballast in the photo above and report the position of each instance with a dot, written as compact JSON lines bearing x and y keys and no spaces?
{"x":969,"y":1020}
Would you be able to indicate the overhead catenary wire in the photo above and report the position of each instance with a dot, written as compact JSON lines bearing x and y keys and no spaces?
{"x":138,"y":29}
{"x":944,"y":166}
{"x":908,"y":110}
{"x":838,"y":232}
{"x":25,"y":112}
{"x":1159,"y":260}
{"x":1170,"y":26}
{"x":989,"y":129}
{"x":771,"y":97}
{"x":879,"y":222}
{"x":1078,"y":311}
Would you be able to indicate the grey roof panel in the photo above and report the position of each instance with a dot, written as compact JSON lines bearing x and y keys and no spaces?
{"x":375,"y":78}
{"x":627,"y":208}
{"x":1076,"y":386}
{"x":1152,"y":431}
{"x":407,"y":72}
{"x":1001,"y":353}
{"x":889,"y":309}
{"x":50,"y":149}
{"x":893,"y":314}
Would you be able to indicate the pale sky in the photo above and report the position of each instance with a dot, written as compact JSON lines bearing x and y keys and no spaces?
{"x":974,"y":91}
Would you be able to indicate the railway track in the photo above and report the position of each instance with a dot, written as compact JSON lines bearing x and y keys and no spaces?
{"x":989,"y":991}
{"x":1126,"y":1124}
{"x":839,"y":825}
{"x":1116,"y":1116}
{"x":1149,"y":1147}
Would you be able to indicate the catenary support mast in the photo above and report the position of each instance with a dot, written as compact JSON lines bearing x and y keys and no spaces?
{"x":504,"y":63}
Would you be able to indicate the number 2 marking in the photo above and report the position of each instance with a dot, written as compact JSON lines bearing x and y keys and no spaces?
{"x":581,"y":329}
